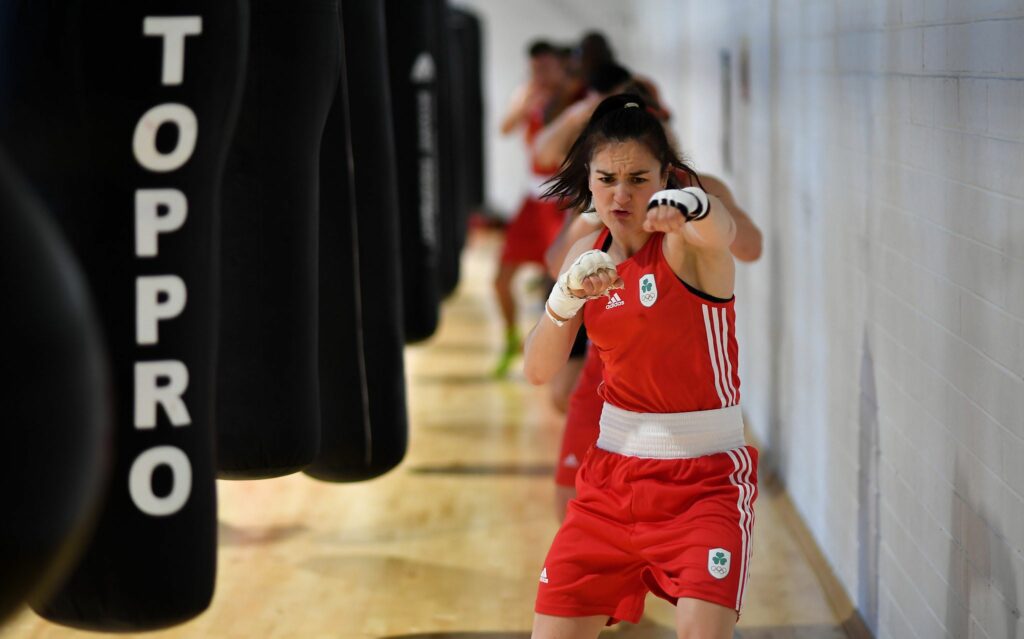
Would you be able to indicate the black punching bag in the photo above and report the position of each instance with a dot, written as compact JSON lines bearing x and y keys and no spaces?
{"x":361,"y":321}
{"x":450,"y":123}
{"x":464,"y":29}
{"x":413,"y":51}
{"x":268,"y":414}
{"x":119,"y":114}
{"x":56,"y":399}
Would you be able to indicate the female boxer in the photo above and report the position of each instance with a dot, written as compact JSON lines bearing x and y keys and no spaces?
{"x":583,"y":404}
{"x":575,"y":392}
{"x":665,"y":497}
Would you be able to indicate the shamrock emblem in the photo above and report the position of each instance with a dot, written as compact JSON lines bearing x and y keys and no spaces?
{"x":648,"y":290}
{"x":718,"y":562}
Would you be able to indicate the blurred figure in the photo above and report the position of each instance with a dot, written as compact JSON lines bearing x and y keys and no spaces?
{"x":532,"y":106}
{"x":609,"y":78}
{"x":594,"y":52}
{"x":550,"y":147}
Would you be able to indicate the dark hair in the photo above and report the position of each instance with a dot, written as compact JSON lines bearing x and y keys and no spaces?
{"x":594,"y":51}
{"x":607,"y":76}
{"x":541,"y":47}
{"x":643,"y":90}
{"x":614,"y":120}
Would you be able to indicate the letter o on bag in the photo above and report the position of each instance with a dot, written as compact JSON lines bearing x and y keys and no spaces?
{"x":144,"y":140}
{"x":140,"y":480}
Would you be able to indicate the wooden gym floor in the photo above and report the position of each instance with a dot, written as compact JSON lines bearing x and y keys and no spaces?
{"x":450,"y":544}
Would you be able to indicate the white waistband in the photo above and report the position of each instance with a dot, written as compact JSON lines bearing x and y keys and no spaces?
{"x":670,"y":435}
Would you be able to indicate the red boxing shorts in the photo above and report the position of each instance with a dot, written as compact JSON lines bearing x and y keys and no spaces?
{"x":674,"y":527}
{"x":534,"y":228}
{"x":582,"y":420}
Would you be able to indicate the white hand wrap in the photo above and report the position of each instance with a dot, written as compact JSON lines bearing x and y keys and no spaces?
{"x":692,"y":202}
{"x":588,"y":263}
{"x":562,"y":302}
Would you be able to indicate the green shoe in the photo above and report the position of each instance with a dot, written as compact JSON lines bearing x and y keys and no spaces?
{"x":512,"y":349}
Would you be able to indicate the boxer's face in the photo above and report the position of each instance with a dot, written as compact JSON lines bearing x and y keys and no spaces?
{"x":623,"y":176}
{"x":547,"y":71}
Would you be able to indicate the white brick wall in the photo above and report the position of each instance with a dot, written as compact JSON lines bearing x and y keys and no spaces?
{"x":882,"y":151}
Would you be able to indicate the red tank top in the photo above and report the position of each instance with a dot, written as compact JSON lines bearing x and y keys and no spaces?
{"x":535,"y":123}
{"x":666,"y":347}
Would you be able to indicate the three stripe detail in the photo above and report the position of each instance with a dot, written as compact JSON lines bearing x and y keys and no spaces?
{"x":743,"y":466}
{"x":716,"y":325}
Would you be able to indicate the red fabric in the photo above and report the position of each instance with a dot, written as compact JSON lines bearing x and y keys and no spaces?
{"x":582,"y":420}
{"x":683,"y":178}
{"x":679,"y":354}
{"x":661,"y":112}
{"x":533,"y":229}
{"x":640,"y":525}
{"x":534,"y":124}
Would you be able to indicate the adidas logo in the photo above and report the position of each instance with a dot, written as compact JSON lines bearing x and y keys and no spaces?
{"x":423,"y":70}
{"x":544,"y":575}
{"x":570,"y":461}
{"x":614,"y":301}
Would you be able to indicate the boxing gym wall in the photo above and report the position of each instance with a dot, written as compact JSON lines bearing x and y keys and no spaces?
{"x":880,"y":148}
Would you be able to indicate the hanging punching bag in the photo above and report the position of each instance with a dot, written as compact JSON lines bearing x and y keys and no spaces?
{"x":361,"y":321}
{"x":147,"y":93}
{"x":413,"y":52}
{"x":119,"y":115}
{"x":465,"y":32}
{"x":449,"y":125}
{"x":56,"y":401}
{"x":268,"y":415}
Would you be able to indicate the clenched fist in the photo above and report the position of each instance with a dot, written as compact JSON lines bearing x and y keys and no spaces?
{"x":668,"y":211}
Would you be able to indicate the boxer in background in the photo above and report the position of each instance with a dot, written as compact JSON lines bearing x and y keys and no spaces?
{"x":532,"y":106}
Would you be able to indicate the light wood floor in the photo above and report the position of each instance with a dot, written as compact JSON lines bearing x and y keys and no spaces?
{"x":450,"y":544}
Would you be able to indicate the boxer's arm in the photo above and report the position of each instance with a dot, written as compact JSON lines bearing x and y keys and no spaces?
{"x":699,"y":230}
{"x":586,"y":273}
{"x":553,"y":142}
{"x":748,"y":243}
{"x":515,"y":113}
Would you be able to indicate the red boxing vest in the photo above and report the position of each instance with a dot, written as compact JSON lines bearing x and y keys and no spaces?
{"x":534,"y":124}
{"x":666,"y":347}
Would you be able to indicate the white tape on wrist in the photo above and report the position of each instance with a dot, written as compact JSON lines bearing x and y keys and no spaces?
{"x":563,"y":303}
{"x":692,"y":202}
{"x":551,"y":316}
